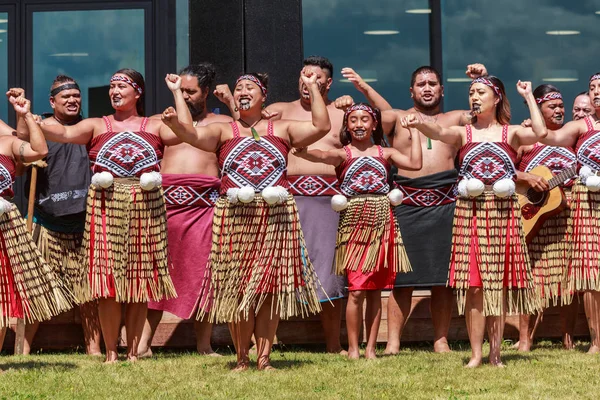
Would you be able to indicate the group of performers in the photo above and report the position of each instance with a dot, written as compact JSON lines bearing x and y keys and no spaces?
{"x":284,"y":210}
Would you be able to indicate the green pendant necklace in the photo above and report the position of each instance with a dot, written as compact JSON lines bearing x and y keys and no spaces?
{"x":254,"y":133}
{"x":429,"y":146}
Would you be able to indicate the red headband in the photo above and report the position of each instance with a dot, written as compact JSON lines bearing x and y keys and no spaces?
{"x":254,"y":79}
{"x":548,"y":96}
{"x":122,"y":78}
{"x":594,"y":77}
{"x":361,"y":107}
{"x":489,"y":83}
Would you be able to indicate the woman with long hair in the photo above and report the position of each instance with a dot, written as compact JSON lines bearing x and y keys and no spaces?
{"x":125,"y":241}
{"x":489,"y":264}
{"x":260,"y":270}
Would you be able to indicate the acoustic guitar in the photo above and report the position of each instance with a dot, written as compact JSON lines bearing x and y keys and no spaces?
{"x":537,"y":207}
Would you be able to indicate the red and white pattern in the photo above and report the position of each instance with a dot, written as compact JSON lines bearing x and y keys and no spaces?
{"x":313,"y":185}
{"x":363,"y":175}
{"x":588,"y":147}
{"x":556,"y":159}
{"x":190,"y":196}
{"x":487,"y":161}
{"x":125,"y":154}
{"x":419,"y":197}
{"x":248,"y":162}
{"x":7,"y":176}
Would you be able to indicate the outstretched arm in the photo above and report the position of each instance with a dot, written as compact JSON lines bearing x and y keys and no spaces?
{"x":331,"y":157}
{"x":538,"y":129}
{"x":373,"y":97}
{"x":565,"y":136}
{"x":302,"y":134}
{"x":205,"y":138}
{"x":80,"y":133}
{"x":452,"y":135}
{"x":413,"y":161}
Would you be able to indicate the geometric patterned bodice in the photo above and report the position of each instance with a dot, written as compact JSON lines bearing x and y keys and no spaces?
{"x":363,"y":175}
{"x":245,"y":161}
{"x":7,"y":176}
{"x":125,"y":154}
{"x":487,"y":161}
{"x":555,"y":158}
{"x":588,"y":147}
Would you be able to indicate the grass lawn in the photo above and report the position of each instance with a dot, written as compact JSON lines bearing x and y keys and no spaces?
{"x":548,"y":372}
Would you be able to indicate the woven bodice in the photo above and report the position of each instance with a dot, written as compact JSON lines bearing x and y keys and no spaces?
{"x":588,"y":147}
{"x":7,"y":176}
{"x":363,"y":175}
{"x":125,"y":154}
{"x":487,"y":161}
{"x":245,"y":161}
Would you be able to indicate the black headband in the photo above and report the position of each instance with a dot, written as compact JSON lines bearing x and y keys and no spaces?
{"x":66,"y":86}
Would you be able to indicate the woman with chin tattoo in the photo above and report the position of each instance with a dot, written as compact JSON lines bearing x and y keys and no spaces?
{"x":548,"y":250}
{"x":583,"y":273}
{"x":259,"y":268}
{"x":124,"y":255}
{"x":369,"y":248}
{"x":489,"y":263}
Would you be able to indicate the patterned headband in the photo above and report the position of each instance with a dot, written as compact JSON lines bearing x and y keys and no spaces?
{"x":594,"y":77}
{"x":489,"y":83}
{"x":254,"y":79}
{"x":123,"y":78}
{"x":361,"y":107}
{"x":66,"y":86}
{"x":548,"y":96}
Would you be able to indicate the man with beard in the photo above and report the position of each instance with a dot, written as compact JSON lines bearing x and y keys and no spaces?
{"x":60,"y":205}
{"x":426,"y":213}
{"x":582,"y":106}
{"x":190,"y":179}
{"x":313,"y":185}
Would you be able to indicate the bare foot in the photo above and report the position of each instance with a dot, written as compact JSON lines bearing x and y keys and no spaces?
{"x":241,"y":366}
{"x":132,"y":358}
{"x":497,"y":364}
{"x":107,"y":362}
{"x":336,"y":350}
{"x":568,"y":342}
{"x":370,"y":354}
{"x":146,"y":354}
{"x":441,"y":346}
{"x":474,"y":362}
{"x":516,"y":345}
{"x":353,"y":354}
{"x":111,"y":357}
{"x":594,"y":350}
{"x":95,"y":354}
{"x":524,"y":346}
{"x":391,"y":350}
{"x":208,"y":352}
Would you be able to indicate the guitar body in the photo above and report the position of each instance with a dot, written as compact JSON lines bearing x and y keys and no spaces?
{"x":537,"y":207}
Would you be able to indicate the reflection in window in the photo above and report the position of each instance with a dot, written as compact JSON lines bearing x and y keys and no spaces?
{"x":4,"y":63}
{"x":538,"y":40}
{"x":183,"y":36}
{"x":86,"y":45}
{"x":384,"y":41}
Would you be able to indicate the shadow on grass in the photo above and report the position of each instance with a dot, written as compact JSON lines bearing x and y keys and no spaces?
{"x":506,"y":358}
{"x":277,"y":364}
{"x":27,"y":365}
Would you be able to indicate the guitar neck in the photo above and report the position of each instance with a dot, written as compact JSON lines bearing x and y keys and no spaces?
{"x":562,"y":177}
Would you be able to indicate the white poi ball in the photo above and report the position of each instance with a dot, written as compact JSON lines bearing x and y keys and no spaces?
{"x":232,"y":195}
{"x":246,"y":194}
{"x":282,"y":194}
{"x":475,"y":187}
{"x":102,"y":179}
{"x":157,"y":178}
{"x":593,"y":183}
{"x":339,"y":202}
{"x":5,"y":206}
{"x":585,"y":171}
{"x":504,"y":188}
{"x":396,"y":196}
{"x":462,"y":188}
{"x":271,"y":195}
{"x":147,"y":181}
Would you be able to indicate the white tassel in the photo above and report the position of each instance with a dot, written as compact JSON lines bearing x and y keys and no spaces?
{"x":246,"y":194}
{"x":232,"y":195}
{"x":462,"y":188}
{"x":593,"y":183}
{"x":150,"y":180}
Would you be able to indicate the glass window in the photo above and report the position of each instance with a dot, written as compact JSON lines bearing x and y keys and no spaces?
{"x":384,"y":41}
{"x":538,"y":40}
{"x":4,"y":63}
{"x":183,"y":33}
{"x":88,"y":46}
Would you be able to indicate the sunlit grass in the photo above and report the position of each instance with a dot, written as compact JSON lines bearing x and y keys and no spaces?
{"x":548,"y":372}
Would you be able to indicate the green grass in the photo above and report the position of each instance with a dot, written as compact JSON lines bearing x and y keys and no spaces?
{"x":548,"y":372}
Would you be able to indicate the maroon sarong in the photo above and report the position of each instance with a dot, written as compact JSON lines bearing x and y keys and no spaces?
{"x":189,"y":199}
